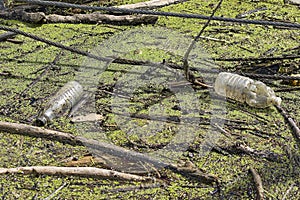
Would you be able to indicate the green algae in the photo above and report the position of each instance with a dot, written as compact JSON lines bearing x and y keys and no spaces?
{"x":232,"y":170}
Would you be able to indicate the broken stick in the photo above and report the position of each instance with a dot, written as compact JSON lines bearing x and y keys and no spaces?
{"x":258,"y":184}
{"x":75,"y":171}
{"x":291,"y":122}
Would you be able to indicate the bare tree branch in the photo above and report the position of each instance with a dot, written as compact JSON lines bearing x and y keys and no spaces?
{"x":74,"y":171}
{"x":33,"y":131}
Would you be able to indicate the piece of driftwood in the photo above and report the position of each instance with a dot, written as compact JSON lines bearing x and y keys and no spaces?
{"x":151,"y":4}
{"x":258,"y":184}
{"x":74,"y":171}
{"x":91,"y":18}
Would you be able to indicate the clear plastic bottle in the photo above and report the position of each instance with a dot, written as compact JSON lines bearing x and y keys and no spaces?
{"x":244,"y":89}
{"x":61,"y":103}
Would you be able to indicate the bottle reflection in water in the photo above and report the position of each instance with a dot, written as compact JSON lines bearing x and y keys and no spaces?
{"x":61,"y":103}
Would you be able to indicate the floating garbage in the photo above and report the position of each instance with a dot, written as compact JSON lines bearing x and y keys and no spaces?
{"x":61,"y":103}
{"x":244,"y":89}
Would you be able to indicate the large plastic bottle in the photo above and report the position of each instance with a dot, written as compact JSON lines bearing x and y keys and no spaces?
{"x":244,"y":89}
{"x":61,"y":103}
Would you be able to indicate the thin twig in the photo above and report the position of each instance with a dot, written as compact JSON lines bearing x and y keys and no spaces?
{"x":249,"y":59}
{"x":288,"y":191}
{"x":187,"y":53}
{"x":258,"y":184}
{"x":291,"y":122}
{"x":287,"y":89}
{"x":53,"y":194}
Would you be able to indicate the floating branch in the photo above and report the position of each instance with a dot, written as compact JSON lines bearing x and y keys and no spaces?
{"x":74,"y":171}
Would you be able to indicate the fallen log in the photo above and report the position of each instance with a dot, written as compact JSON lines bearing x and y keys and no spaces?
{"x":99,"y":18}
{"x":91,"y":18}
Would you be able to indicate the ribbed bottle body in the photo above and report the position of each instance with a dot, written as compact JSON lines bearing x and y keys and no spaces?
{"x":245,"y":90}
{"x":61,"y":103}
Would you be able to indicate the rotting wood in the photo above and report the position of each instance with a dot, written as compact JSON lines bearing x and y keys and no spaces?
{"x":75,"y":171}
{"x":151,"y":4}
{"x":92,"y":18}
{"x":258,"y":184}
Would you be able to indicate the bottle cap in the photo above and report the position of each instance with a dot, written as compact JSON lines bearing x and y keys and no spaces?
{"x":41,"y":121}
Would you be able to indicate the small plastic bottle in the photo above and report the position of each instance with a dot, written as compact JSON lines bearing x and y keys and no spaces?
{"x":61,"y":103}
{"x":244,"y":89}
